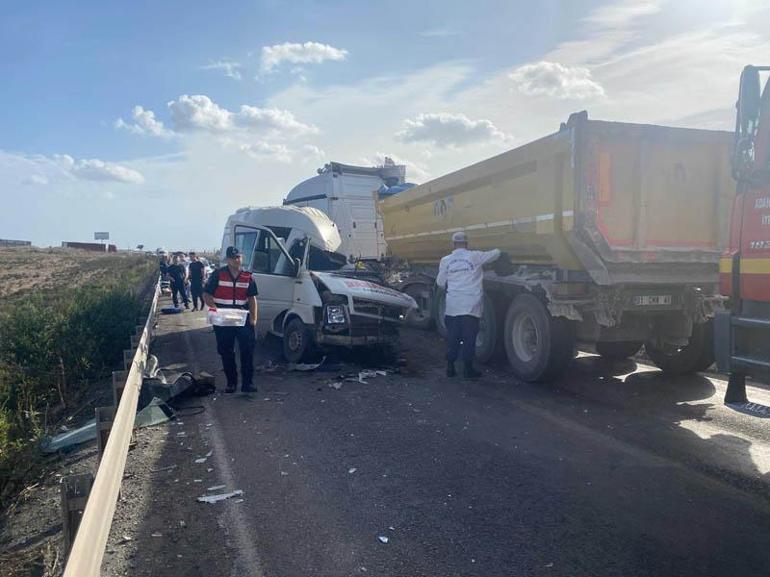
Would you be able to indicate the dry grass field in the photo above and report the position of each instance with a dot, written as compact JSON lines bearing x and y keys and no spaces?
{"x":23,"y":269}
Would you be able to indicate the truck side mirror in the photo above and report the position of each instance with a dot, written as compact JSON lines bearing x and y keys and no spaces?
{"x":749,"y":99}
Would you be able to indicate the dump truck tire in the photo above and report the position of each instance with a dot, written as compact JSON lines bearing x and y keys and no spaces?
{"x":539,"y":347}
{"x":440,"y":308}
{"x":697,"y":355}
{"x":487,"y":339}
{"x":423,"y":317}
{"x":298,"y":342}
{"x":618,"y":351}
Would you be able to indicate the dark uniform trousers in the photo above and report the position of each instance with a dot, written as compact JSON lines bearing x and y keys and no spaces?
{"x":178,"y":290}
{"x":196,"y":288}
{"x":226,"y":337}
{"x":461,"y":328}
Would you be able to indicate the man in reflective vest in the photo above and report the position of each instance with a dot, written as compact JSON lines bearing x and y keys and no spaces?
{"x":231,"y":287}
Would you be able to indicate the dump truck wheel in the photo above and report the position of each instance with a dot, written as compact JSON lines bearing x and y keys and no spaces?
{"x":539,"y":347}
{"x":486,"y":341}
{"x":440,"y":308}
{"x":697,"y":355}
{"x":618,"y":351}
{"x":297,"y":341}
{"x":422,"y":318}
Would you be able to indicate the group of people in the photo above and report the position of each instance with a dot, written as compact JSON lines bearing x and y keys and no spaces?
{"x":186,"y":274}
{"x":460,"y":275}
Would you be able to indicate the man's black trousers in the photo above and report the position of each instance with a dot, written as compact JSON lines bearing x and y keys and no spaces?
{"x":177,"y":289}
{"x":461,"y":328}
{"x":197,"y":294}
{"x":226,"y":337}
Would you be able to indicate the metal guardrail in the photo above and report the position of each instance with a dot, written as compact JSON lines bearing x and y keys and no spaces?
{"x":88,"y":549}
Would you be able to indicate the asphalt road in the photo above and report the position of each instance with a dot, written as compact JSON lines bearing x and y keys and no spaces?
{"x":614,"y":471}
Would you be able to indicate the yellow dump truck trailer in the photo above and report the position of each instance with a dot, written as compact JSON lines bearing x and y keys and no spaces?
{"x":615,"y":229}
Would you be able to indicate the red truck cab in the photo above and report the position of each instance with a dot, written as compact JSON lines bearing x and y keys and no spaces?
{"x":742,"y":335}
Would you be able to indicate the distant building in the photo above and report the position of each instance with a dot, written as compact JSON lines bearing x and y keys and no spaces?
{"x":92,"y":246}
{"x":5,"y":242}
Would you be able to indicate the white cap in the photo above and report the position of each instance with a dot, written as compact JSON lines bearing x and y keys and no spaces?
{"x":460,"y":237}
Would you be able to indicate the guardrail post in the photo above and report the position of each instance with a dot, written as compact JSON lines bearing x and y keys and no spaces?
{"x":104,"y":418}
{"x":74,"y":496}
{"x":128,"y":358}
{"x":118,"y":384}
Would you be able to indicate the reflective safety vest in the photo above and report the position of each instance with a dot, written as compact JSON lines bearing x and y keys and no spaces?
{"x":229,"y":294}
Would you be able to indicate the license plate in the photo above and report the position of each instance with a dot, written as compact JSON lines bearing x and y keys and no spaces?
{"x":652,"y":300}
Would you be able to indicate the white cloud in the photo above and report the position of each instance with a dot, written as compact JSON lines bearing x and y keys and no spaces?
{"x":199,"y":112}
{"x":311,"y":152}
{"x":230,"y":68}
{"x":35,"y":180}
{"x":99,"y":170}
{"x":449,"y":130}
{"x":609,"y":29}
{"x":553,"y":79}
{"x":271,"y":119}
{"x":295,"y":53}
{"x":267,"y":150}
{"x":622,"y":13}
{"x":144,"y":123}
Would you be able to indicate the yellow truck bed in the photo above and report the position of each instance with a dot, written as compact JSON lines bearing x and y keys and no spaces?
{"x":622,"y":202}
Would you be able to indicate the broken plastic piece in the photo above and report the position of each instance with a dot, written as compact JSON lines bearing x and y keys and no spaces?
{"x":305,"y":366}
{"x":220,"y":497}
{"x":216,"y":488}
{"x":383,"y":539}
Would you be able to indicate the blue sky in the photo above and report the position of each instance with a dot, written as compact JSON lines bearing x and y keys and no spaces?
{"x":238,"y":101}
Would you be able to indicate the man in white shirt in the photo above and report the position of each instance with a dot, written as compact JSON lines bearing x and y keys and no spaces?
{"x":461,"y":274}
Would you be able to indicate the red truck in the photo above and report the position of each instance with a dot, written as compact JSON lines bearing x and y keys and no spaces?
{"x":742,"y":333}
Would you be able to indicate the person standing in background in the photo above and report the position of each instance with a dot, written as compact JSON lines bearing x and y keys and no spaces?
{"x":196,"y":272}
{"x":178,"y":276}
{"x":461,"y":274}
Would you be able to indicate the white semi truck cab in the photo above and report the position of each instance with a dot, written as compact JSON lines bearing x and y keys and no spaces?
{"x":308,"y":295}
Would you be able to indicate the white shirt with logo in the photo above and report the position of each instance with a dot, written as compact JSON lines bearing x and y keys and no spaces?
{"x":461,"y":273}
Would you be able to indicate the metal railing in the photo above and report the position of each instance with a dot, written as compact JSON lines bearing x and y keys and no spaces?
{"x":88,"y":548}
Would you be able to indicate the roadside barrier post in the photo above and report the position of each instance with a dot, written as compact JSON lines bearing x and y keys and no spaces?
{"x":128,"y":358}
{"x":74,"y":496}
{"x":104,"y":418}
{"x":118,"y":384}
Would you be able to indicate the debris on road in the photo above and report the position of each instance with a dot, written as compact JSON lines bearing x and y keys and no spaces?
{"x":219,"y":497}
{"x":383,"y":539}
{"x":216,"y":488}
{"x":305,"y":366}
{"x":204,"y":458}
{"x":352,"y":470}
{"x":336,"y":385}
{"x":155,"y":413}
